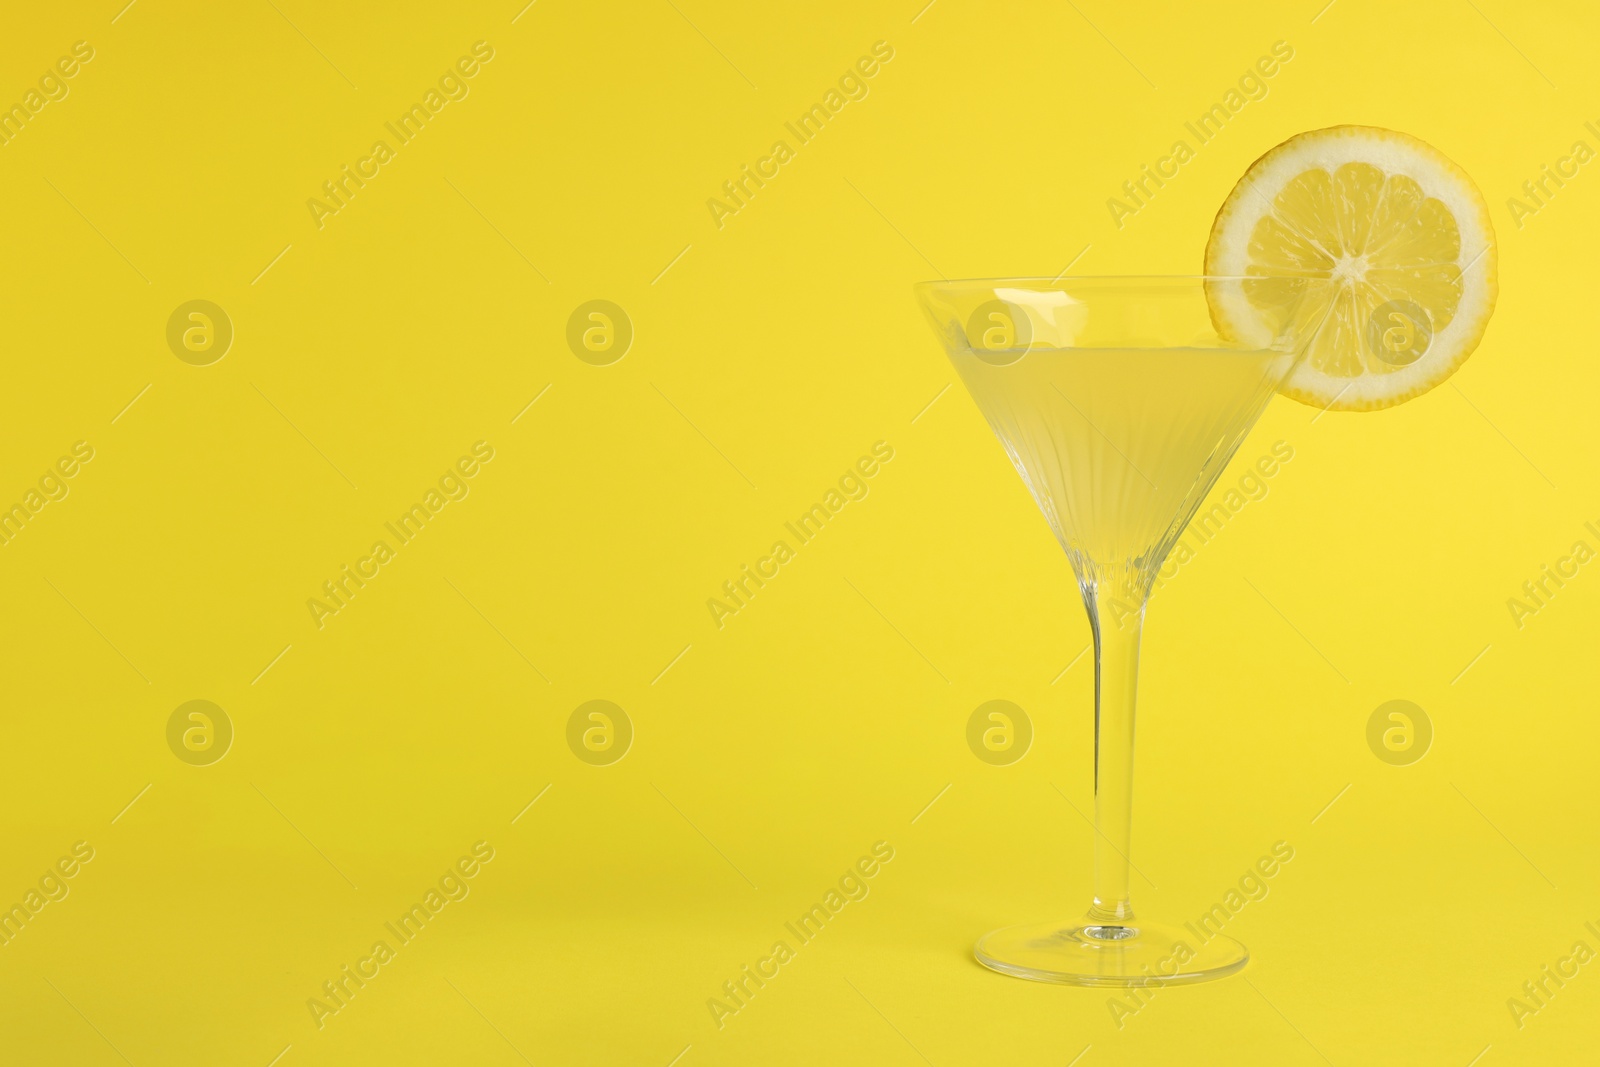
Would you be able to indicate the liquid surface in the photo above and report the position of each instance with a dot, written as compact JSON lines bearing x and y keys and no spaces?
{"x":1119,"y":446}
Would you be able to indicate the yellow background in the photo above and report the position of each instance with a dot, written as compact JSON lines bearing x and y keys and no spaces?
{"x":827,"y":714}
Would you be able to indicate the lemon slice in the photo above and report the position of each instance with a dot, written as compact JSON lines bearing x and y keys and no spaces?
{"x":1382,"y":247}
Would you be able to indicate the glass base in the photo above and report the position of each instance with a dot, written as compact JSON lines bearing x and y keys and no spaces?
{"x":1088,"y":953}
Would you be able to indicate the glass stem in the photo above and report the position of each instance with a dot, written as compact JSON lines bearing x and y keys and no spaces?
{"x":1117,"y":625}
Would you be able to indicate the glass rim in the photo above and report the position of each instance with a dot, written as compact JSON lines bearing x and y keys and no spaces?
{"x":1111,"y":298}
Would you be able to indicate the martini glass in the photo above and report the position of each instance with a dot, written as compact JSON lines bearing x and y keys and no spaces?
{"x":1119,"y":404}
